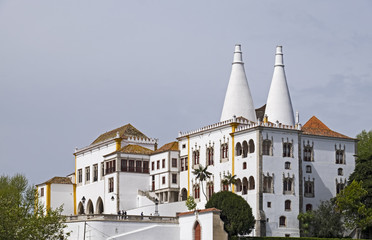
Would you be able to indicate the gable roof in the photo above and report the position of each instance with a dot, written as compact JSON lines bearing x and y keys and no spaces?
{"x":135,"y":149}
{"x":172,"y":146}
{"x":316,"y":127}
{"x":58,"y":180}
{"x":124,"y":132}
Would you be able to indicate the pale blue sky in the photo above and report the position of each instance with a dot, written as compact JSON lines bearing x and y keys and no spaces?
{"x":71,"y":70}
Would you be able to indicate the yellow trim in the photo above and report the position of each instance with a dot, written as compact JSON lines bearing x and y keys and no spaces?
{"x":233,"y":128}
{"x":48,"y":196}
{"x":75,"y":170}
{"x":118,"y":144}
{"x":188,"y":165}
{"x":74,"y":187}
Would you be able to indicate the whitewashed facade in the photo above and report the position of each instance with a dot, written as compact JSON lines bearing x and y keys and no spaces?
{"x":282,"y":168}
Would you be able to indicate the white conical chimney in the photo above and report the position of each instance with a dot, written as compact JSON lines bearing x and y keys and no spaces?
{"x":279,"y":104}
{"x":238,"y":99}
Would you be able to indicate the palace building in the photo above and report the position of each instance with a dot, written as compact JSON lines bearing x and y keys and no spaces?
{"x":281,"y":167}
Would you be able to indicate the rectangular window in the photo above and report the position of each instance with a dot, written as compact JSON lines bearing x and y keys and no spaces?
{"x":80,"y":175}
{"x":287,"y":149}
{"x":138,"y":166}
{"x":174,"y":178}
{"x":110,"y":166}
{"x":145,"y":167}
{"x":131,"y":165}
{"x":340,"y":154}
{"x":269,"y":204}
{"x":183,"y":146}
{"x":87,"y":174}
{"x":163,"y":163}
{"x":102,"y":169}
{"x":174,"y":162}
{"x":153,"y":166}
{"x":308,"y":152}
{"x":163,"y":180}
{"x":182,"y":165}
{"x":111,"y":185}
{"x":41,"y":192}
{"x":124,"y":167}
{"x":186,"y":163}
{"x":95,"y":172}
{"x":158,"y":164}
{"x":308,"y":169}
{"x":309,"y":189}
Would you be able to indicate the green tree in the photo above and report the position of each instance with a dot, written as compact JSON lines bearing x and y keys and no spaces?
{"x":355,"y":212}
{"x":324,"y":222}
{"x":364,"y":144}
{"x":190,"y":203}
{"x":22,"y":216}
{"x":229,"y":180}
{"x":235,"y":212}
{"x":202,"y":174}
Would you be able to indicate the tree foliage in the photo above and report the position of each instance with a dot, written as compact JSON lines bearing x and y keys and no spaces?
{"x":229,"y":179}
{"x":190,"y":203}
{"x":324,"y":222}
{"x":202,"y":174}
{"x":235,"y":212}
{"x":22,"y":217}
{"x":364,"y":144}
{"x":351,"y":204}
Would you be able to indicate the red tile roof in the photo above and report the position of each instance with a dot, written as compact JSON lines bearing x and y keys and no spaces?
{"x":172,"y":146}
{"x":315,"y":127}
{"x":136,"y":149}
{"x":124,"y":132}
{"x":199,"y":211}
{"x":58,"y":180}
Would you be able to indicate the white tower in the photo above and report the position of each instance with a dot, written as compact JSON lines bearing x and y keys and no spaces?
{"x":238,"y":99}
{"x":279,"y":104}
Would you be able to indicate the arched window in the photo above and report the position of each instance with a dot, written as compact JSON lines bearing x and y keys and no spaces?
{"x":340,"y":187}
{"x":90,"y":207}
{"x":224,"y":151}
{"x":245,"y":149}
{"x":99,"y":206}
{"x":81,"y":208}
{"x":287,"y":149}
{"x":195,"y":156}
{"x":245,"y":185}
{"x":184,"y":194}
{"x":340,"y":154}
{"x":238,"y":185}
{"x":268,"y":184}
{"x":287,"y":165}
{"x":309,"y":207}
{"x":210,"y":187}
{"x":238,"y":148}
{"x":251,"y":146}
{"x":282,"y":221}
{"x":197,"y":231}
{"x":251,"y":183}
{"x":287,"y":185}
{"x":244,"y":165}
{"x":266,"y":147}
{"x":309,"y":188}
{"x":287,"y":205}
{"x":196,"y":191}
{"x":210,"y":156}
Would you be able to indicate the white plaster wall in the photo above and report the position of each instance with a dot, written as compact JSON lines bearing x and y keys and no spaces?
{"x":130,"y":183}
{"x":276,"y":165}
{"x":99,"y":230}
{"x":42,"y":199}
{"x":164,"y":209}
{"x":324,"y":167}
{"x":187,"y":223}
{"x":62,"y":195}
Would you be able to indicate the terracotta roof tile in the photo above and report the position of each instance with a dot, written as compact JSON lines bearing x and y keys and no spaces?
{"x":199,"y":211}
{"x":315,"y":127}
{"x":136,"y":149}
{"x":172,"y":146}
{"x":124,"y":132}
{"x":58,"y":180}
